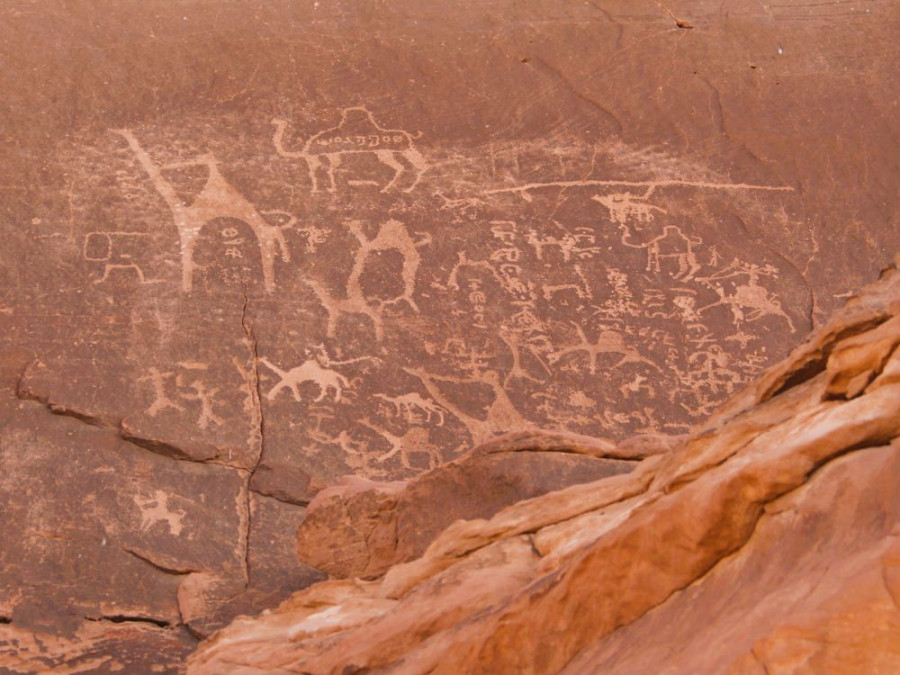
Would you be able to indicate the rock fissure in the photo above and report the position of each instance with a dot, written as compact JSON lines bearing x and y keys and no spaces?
{"x":65,"y":411}
{"x":125,"y":618}
{"x":156,"y":446}
{"x":153,"y":561}
{"x":279,"y":497}
{"x":255,"y":397}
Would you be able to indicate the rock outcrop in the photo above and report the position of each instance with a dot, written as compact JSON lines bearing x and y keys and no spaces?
{"x":249,"y":248}
{"x":361,"y":528}
{"x":769,"y":542}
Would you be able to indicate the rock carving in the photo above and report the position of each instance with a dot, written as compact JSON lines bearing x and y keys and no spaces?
{"x":357,"y":133}
{"x":217,"y":199}
{"x":116,"y":251}
{"x":412,"y":406}
{"x":316,"y":369}
{"x":607,"y":342}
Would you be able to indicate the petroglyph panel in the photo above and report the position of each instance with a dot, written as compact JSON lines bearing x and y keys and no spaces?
{"x":405,"y":300}
{"x":280,"y":244}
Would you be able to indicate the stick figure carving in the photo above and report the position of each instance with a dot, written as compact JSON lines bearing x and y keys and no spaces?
{"x":161,"y":401}
{"x":748,"y":301}
{"x":217,"y":199}
{"x":357,"y":133}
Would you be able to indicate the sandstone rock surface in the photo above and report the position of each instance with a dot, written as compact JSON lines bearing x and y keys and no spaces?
{"x":768,"y":543}
{"x":361,"y":530}
{"x":249,"y":248}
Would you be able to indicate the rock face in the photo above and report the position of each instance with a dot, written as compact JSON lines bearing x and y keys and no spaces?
{"x":361,"y":529}
{"x":251,"y":248}
{"x":767,"y":543}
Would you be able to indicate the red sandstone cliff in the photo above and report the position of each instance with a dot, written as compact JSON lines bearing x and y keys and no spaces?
{"x":767,"y":543}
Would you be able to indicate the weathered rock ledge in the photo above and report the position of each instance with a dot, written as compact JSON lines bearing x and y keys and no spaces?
{"x":769,"y":541}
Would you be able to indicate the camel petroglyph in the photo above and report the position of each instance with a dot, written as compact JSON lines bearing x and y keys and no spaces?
{"x":410,"y":405}
{"x":308,"y":371}
{"x":316,"y":369}
{"x":357,"y":133}
{"x":392,"y":235}
{"x":414,"y":440}
{"x":217,"y":199}
{"x":624,"y":206}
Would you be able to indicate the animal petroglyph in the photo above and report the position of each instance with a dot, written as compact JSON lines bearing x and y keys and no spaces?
{"x":414,"y":440}
{"x":316,"y":369}
{"x":336,"y":306}
{"x":412,"y":406}
{"x":624,"y":206}
{"x":747,"y":301}
{"x":671,"y":245}
{"x":217,"y":199}
{"x":357,"y":133}
{"x":607,"y":342}
{"x":392,"y":236}
{"x":156,"y":509}
{"x":308,"y":371}
{"x":516,"y":345}
{"x":502,"y":415}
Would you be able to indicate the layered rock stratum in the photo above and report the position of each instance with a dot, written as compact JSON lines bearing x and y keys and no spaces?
{"x":766,"y":542}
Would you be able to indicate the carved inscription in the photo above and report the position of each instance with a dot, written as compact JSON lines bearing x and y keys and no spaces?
{"x":357,"y":133}
{"x":429,"y":298}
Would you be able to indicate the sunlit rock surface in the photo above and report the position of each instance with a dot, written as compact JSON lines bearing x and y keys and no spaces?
{"x":767,"y":542}
{"x":251,"y":248}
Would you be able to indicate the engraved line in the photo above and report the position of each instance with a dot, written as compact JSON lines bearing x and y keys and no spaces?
{"x":653,"y":184}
